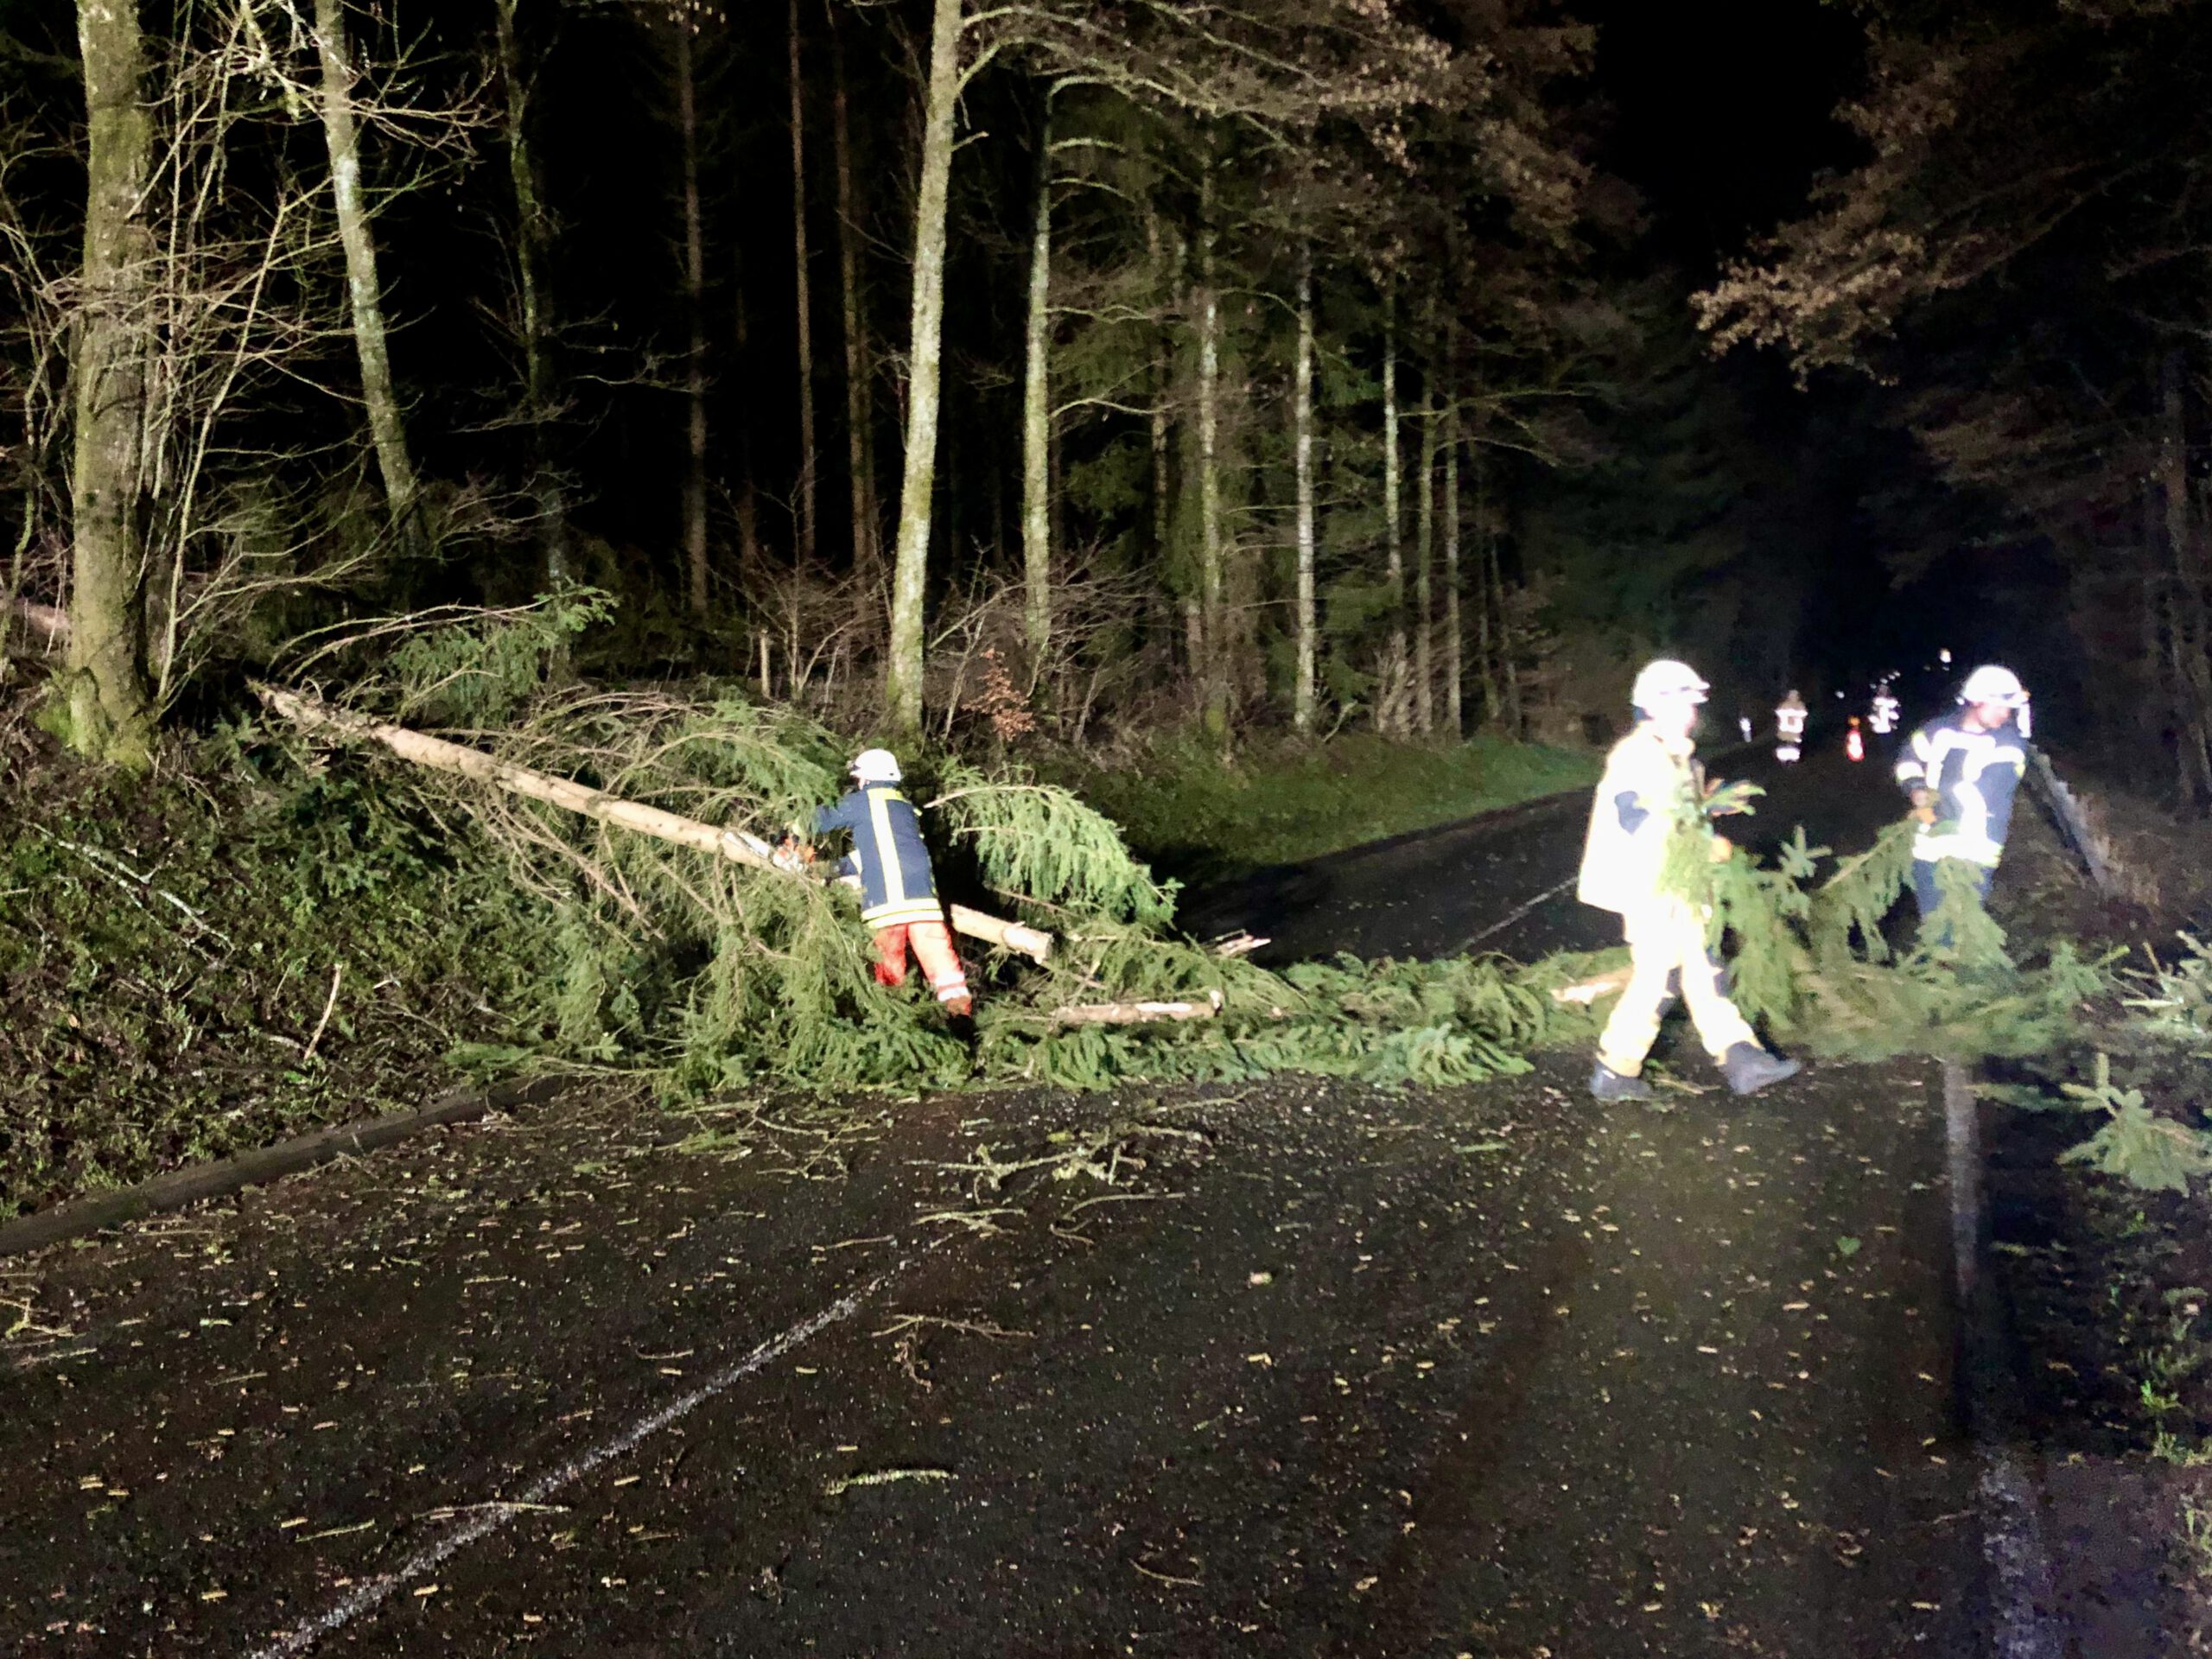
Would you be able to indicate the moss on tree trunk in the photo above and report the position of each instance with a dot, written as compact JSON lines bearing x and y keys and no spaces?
{"x":111,"y":715}
{"x":1037,"y":420}
{"x":910,"y":574}
{"x":364,"y":291}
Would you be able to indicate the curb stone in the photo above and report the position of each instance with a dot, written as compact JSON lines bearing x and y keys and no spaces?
{"x":198,"y":1182}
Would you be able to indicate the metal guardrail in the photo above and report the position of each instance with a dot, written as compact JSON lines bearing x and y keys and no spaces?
{"x":2064,"y":811}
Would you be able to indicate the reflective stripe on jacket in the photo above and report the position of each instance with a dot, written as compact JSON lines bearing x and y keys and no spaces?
{"x":888,"y":856}
{"x":1974,"y":776}
{"x":1646,"y":784}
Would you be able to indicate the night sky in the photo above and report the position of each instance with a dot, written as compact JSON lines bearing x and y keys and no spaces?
{"x":1722,"y":118}
{"x":1722,"y":112}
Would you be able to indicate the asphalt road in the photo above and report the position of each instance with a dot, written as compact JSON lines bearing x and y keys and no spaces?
{"x":1504,"y":882}
{"x":1300,"y":1368}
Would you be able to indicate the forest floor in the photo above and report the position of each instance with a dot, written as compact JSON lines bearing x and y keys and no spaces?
{"x":1294,"y":1368}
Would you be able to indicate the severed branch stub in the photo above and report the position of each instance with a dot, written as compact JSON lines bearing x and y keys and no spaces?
{"x":439,"y":756}
{"x":1590,"y":990}
{"x":1137,"y":1013}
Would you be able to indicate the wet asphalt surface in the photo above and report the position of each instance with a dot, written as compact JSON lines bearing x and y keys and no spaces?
{"x":1296,"y":1369}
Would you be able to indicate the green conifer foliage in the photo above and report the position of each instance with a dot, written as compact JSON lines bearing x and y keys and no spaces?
{"x":1040,"y":845}
{"x":2137,"y":1145}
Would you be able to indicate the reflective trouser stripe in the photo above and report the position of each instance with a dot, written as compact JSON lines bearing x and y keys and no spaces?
{"x":931,"y":943}
{"x":1663,"y":936}
{"x":940,"y":962}
{"x":925,"y":910}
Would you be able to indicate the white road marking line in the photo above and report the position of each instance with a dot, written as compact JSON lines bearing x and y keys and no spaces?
{"x":491,"y":1519}
{"x":1499,"y":926}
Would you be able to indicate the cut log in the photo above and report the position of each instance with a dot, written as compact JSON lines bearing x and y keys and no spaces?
{"x":439,"y":756}
{"x":1031,"y":942}
{"x":1137,"y":1013}
{"x":48,"y":623}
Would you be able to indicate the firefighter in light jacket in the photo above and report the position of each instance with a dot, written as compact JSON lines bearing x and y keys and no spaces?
{"x":898,"y":890}
{"x":1651,"y":783}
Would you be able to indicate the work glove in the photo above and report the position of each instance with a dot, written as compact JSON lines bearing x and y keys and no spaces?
{"x":792,"y":855}
{"x":1722,"y":851}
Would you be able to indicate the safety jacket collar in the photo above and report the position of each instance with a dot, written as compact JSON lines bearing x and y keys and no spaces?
{"x":1677,"y":748}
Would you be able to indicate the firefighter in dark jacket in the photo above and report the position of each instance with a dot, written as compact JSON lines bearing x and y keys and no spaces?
{"x":898,"y":891}
{"x":1960,"y":773}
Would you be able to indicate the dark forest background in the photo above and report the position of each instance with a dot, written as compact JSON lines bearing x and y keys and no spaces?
{"x":1799,"y":340}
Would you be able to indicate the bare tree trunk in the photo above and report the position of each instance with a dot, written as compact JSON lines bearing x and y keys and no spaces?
{"x":1162,"y":384}
{"x":1389,"y":709}
{"x":110,"y":702}
{"x":860,"y":408}
{"x":1485,"y":608}
{"x":1425,"y":559}
{"x":1509,"y":671}
{"x":694,"y":304}
{"x":806,"y":321}
{"x":926,"y":352}
{"x":371,"y":340}
{"x":1161,"y":500}
{"x":1037,"y":420}
{"x":2191,"y":633}
{"x":748,"y":491}
{"x":1455,"y":667}
{"x":1307,"y":624}
{"x":1212,"y":677}
{"x":532,"y":240}
{"x":1163,"y":388}
{"x":2148,"y":698}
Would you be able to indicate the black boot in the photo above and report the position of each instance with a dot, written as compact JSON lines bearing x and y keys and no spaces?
{"x":1749,"y":1069}
{"x":1605,"y":1083}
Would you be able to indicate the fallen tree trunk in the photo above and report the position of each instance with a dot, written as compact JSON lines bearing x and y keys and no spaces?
{"x":49,"y":623}
{"x":439,"y":756}
{"x":1136,"y":1014}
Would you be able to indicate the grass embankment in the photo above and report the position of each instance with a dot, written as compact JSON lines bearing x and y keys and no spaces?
{"x":1200,"y":818}
{"x":168,"y":947}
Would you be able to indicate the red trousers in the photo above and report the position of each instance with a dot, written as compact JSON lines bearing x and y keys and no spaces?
{"x":933,"y":944}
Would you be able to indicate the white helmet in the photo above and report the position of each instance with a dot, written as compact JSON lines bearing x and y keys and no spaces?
{"x":1667,"y":680}
{"x":1990,"y":683}
{"x":875,"y":766}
